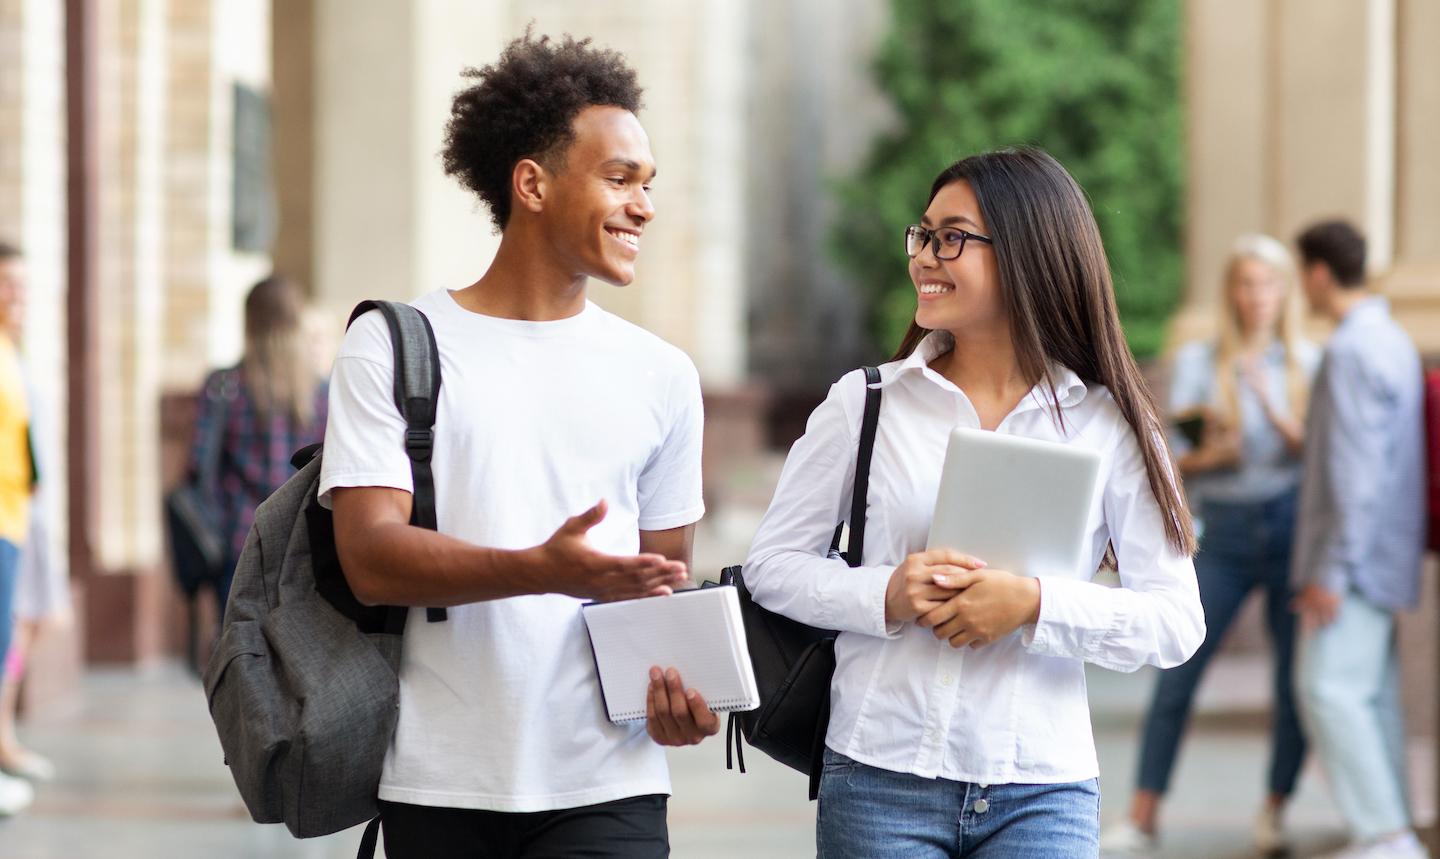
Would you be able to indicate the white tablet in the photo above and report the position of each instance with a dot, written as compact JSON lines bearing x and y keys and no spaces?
{"x":1018,"y":504}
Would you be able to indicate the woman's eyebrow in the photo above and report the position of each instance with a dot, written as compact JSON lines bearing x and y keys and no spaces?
{"x":958,"y":219}
{"x":947,"y":221}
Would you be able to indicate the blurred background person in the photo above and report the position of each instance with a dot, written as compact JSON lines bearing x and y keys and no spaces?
{"x":268,"y":406}
{"x":42,"y":591}
{"x":1240,"y":399}
{"x":1360,"y":543}
{"x":17,"y":479}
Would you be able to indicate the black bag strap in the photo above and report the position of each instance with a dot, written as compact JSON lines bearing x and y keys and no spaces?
{"x":417,"y":393}
{"x":859,"y":499}
{"x":369,"y":839}
{"x":855,"y":548}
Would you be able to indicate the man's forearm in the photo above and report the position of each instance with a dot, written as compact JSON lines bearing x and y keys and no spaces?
{"x":399,"y":564}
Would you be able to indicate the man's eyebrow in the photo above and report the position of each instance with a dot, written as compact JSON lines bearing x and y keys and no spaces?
{"x":628,"y":164}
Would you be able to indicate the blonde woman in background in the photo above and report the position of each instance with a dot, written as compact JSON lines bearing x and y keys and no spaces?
{"x":271,"y":404}
{"x":1242,"y":396}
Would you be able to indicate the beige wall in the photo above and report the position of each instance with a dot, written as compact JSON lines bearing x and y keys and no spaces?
{"x":1305,"y":109}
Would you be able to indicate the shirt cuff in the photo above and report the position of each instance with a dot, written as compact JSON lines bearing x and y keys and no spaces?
{"x":859,"y":603}
{"x":1071,"y":623}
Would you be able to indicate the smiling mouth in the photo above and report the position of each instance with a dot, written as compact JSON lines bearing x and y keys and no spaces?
{"x":632,"y":240}
{"x":936,"y":288}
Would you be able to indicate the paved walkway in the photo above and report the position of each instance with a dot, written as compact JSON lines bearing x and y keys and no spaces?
{"x":141,"y":777}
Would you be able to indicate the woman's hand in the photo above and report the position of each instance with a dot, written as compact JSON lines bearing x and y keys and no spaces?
{"x":1220,"y":447}
{"x":1290,"y":429}
{"x":990,"y":605}
{"x":913,"y":590}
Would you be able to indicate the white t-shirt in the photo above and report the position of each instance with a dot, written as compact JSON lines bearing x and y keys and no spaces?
{"x":500,"y":708}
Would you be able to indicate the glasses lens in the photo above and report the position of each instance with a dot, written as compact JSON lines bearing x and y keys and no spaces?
{"x":914,"y":241}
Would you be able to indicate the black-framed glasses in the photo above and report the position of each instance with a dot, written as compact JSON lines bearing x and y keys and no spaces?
{"x":947,"y":242}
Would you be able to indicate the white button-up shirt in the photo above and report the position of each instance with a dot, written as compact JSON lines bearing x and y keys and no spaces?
{"x":1014,"y":711}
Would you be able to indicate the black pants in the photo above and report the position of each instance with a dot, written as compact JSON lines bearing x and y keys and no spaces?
{"x":631,"y":828}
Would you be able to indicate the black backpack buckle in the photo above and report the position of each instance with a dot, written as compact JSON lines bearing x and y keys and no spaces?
{"x":419,"y":443}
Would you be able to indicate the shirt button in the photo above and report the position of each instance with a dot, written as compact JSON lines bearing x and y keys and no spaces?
{"x":947,"y":680}
{"x":981,"y":806}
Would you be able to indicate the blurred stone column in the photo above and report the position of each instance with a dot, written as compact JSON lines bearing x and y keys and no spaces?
{"x":1229,"y":123}
{"x":1413,"y":284}
{"x":124,"y":591}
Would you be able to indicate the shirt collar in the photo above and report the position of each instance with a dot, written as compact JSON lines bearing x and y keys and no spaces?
{"x":1370,"y":308}
{"x":1070,"y":389}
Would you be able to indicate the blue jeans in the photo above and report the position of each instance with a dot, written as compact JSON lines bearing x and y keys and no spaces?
{"x":1244,"y":547}
{"x":1348,"y":676}
{"x":9,"y":575}
{"x":871,"y":813}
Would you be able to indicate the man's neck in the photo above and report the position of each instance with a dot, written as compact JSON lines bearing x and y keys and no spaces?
{"x":525,"y":283}
{"x":1343,"y":301}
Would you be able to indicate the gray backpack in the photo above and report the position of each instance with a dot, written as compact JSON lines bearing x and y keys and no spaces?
{"x":303,"y":683}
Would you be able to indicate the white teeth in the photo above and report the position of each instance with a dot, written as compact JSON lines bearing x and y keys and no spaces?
{"x":935,"y":288}
{"x":628,"y":238}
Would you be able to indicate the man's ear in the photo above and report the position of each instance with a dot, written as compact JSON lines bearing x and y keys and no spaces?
{"x":529,"y":184}
{"x":1319,"y":273}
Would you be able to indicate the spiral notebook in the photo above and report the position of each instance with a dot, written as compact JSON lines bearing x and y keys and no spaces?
{"x":698,"y":632}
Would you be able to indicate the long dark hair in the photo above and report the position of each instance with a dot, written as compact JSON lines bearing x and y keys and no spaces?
{"x":1055,"y":283}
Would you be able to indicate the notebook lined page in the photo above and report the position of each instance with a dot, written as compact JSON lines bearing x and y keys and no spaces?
{"x":698,"y":632}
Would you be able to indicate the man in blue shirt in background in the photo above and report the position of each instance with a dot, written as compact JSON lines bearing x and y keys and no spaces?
{"x":1358,"y":542}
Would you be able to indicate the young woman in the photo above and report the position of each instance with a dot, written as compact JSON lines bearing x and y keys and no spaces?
{"x":959,"y":721}
{"x":272,"y":404}
{"x":1250,"y":386}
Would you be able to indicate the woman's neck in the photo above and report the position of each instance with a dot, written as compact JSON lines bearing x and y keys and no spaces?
{"x":1255,"y":342}
{"x":987,"y":370}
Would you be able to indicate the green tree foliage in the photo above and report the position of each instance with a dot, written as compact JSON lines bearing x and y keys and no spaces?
{"x":1093,"y":82}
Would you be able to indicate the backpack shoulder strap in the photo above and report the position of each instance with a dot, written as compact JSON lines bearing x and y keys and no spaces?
{"x":416,"y":392}
{"x":858,"y":500}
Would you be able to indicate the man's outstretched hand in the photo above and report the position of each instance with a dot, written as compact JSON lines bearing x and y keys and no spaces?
{"x":572,"y":566}
{"x":674,"y":715}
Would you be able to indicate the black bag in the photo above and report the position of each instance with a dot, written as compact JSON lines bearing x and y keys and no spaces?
{"x":192,"y":517}
{"x":197,"y":534}
{"x":793,"y":662}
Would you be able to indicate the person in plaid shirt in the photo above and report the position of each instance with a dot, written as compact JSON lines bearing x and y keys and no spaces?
{"x":271,"y":404}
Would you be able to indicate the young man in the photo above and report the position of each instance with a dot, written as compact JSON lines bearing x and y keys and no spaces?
{"x":17,"y":478}
{"x":1358,"y":543}
{"x":567,"y":467}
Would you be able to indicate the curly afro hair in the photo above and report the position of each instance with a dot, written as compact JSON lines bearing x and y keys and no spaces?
{"x":523,"y":106}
